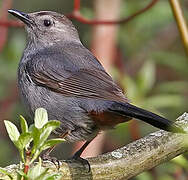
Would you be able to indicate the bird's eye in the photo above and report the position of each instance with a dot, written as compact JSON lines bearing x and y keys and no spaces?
{"x":47,"y":22}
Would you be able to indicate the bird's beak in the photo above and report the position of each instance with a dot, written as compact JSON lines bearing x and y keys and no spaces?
{"x":22,"y":16}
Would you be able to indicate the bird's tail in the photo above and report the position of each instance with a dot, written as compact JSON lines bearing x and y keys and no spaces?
{"x":146,"y":116}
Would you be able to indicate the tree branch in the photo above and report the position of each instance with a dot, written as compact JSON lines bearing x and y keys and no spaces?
{"x":75,"y":14}
{"x":11,"y":23}
{"x":181,"y":23}
{"x":130,"y":160}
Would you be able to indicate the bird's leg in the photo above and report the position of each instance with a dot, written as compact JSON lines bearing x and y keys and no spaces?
{"x":46,"y":155}
{"x":78,"y":153}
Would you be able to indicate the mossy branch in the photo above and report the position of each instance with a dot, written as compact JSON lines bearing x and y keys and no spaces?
{"x":128,"y":161}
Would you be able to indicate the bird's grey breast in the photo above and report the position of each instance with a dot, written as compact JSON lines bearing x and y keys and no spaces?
{"x":29,"y":92}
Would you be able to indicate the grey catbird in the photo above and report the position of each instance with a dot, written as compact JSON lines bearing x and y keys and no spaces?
{"x":58,"y":73}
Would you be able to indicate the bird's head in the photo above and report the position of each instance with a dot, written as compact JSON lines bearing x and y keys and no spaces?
{"x":47,"y":26}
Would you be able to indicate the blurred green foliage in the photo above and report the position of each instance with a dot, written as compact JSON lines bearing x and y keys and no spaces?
{"x":156,"y":67}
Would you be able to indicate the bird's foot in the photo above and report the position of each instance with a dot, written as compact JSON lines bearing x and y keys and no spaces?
{"x":54,"y":160}
{"x":83,"y":161}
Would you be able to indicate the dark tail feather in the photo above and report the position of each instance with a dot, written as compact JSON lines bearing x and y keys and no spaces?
{"x":146,"y":116}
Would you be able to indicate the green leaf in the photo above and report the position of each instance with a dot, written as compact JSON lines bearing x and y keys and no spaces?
{"x":51,"y":142}
{"x":144,"y":176}
{"x":18,"y":145}
{"x":44,"y":136}
{"x":41,"y":117}
{"x":21,"y":174}
{"x":52,"y":124}
{"x":25,"y":139}
{"x":36,"y":171}
{"x":5,"y":172}
{"x":12,"y":130}
{"x":35,"y":156}
{"x":31,"y":127}
{"x":56,"y":176}
{"x":39,"y":137}
{"x":181,"y":160}
{"x":43,"y":175}
{"x":146,"y":77}
{"x":36,"y":137}
{"x":24,"y":125}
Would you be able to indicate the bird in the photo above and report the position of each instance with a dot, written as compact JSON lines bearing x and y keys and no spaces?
{"x":57,"y":72}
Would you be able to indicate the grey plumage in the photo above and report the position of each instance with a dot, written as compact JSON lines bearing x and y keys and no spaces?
{"x":59,"y":58}
{"x":58,"y":73}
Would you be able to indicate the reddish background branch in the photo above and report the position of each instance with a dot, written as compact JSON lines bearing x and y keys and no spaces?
{"x":11,"y":23}
{"x":77,"y":15}
{"x":6,"y":4}
{"x":5,"y":23}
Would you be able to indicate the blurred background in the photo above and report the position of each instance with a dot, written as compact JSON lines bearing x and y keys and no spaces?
{"x":145,"y":56}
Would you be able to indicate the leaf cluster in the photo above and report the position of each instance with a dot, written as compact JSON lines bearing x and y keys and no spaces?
{"x":31,"y":142}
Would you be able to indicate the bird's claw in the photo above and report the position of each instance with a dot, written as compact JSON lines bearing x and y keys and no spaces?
{"x":83,"y":161}
{"x":54,"y":160}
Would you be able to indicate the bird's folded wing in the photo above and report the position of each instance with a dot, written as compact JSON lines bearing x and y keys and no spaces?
{"x":83,"y":83}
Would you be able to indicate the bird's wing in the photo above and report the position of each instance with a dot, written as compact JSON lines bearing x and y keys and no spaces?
{"x":84,"y":83}
{"x":73,"y":72}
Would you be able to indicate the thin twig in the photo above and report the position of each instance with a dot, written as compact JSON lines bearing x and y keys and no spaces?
{"x":11,"y":23}
{"x":76,"y":15}
{"x":6,"y":4}
{"x":76,"y":5}
{"x":180,"y":20}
